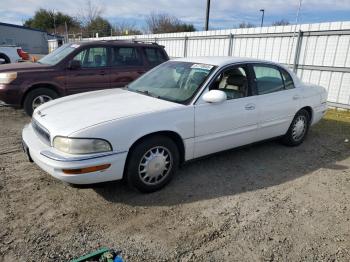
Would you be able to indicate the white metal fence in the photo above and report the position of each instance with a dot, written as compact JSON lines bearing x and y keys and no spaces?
{"x":319,"y":53}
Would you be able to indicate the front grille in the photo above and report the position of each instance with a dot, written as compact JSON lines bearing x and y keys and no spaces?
{"x":41,"y":132}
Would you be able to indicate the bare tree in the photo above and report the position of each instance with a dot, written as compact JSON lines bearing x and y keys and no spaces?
{"x":165,"y":23}
{"x":90,"y":12}
{"x":125,"y":28}
{"x":281,"y":22}
{"x":246,"y":25}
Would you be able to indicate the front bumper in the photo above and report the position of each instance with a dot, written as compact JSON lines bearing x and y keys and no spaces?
{"x":53,"y":161}
{"x":10,"y":94}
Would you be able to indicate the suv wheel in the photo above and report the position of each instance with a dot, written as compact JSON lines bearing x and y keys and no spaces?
{"x":36,"y":98}
{"x":4,"y":59}
{"x":298,"y":129}
{"x":152,"y":163}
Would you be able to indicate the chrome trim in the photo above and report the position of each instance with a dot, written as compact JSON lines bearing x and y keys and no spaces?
{"x":57,"y":157}
{"x":42,"y":132}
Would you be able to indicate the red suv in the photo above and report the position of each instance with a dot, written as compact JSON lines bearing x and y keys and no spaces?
{"x":75,"y":68}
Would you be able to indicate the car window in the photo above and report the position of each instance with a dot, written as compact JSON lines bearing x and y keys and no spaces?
{"x":233,"y":81}
{"x":154,"y":56}
{"x":125,"y":56}
{"x":288,"y":81}
{"x":175,"y":81}
{"x":268,"y":79}
{"x":58,"y":55}
{"x":92,"y":57}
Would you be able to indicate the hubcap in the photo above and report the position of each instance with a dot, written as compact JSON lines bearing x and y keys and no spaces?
{"x":155,"y":165}
{"x":39,"y":100}
{"x":299,"y":128}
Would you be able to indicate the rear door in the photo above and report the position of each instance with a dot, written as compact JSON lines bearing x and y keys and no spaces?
{"x":126,"y":65}
{"x":94,"y":73}
{"x":277,"y":99}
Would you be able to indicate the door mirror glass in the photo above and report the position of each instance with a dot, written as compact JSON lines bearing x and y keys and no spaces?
{"x":215,"y":96}
{"x":74,"y":64}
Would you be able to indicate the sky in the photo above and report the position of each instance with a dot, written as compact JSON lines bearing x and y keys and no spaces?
{"x":223,"y":13}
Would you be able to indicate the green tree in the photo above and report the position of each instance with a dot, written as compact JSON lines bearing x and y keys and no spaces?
{"x":51,"y":21}
{"x":98,"y":25}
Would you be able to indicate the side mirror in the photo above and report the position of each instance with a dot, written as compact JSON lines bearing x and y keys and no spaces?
{"x":215,"y":96}
{"x":74,"y":64}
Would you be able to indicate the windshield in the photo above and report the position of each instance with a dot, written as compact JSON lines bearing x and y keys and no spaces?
{"x":57,"y":55}
{"x":175,"y":81}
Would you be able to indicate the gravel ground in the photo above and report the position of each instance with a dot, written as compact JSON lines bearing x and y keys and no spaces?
{"x":265,"y":202}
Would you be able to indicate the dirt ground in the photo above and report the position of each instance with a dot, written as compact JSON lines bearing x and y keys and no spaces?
{"x":265,"y":202}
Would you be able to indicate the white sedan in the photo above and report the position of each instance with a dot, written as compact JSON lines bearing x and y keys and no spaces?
{"x":181,"y":110}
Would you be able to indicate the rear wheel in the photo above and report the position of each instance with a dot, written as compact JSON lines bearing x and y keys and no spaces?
{"x":152,"y":163}
{"x":36,"y":98}
{"x":4,"y":59}
{"x":298,"y":129}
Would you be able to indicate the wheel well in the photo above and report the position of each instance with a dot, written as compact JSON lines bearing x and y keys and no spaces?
{"x":309,"y":110}
{"x":49,"y":86}
{"x":170,"y":134}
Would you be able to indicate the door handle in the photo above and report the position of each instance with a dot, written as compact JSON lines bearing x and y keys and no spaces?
{"x":249,"y":107}
{"x":296,"y":97}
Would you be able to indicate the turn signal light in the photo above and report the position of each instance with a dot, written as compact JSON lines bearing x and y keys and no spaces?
{"x":86,"y":169}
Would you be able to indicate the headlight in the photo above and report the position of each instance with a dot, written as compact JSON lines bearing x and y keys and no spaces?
{"x":6,"y":78}
{"x":81,"y":145}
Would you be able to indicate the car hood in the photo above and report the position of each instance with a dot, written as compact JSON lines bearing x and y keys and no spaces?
{"x":70,"y":114}
{"x":24,"y":66}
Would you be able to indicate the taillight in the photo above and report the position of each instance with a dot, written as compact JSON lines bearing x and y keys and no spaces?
{"x":22,"y":54}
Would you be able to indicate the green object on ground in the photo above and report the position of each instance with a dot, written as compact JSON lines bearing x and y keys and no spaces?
{"x":94,"y":255}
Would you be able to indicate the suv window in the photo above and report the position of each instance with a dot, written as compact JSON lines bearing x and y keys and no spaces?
{"x":233,"y":81}
{"x":268,"y":79}
{"x":287,"y":79}
{"x":125,"y":56}
{"x":154,"y":56}
{"x":92,"y":57}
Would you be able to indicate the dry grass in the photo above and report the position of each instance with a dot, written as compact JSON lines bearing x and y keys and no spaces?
{"x":338,"y":115}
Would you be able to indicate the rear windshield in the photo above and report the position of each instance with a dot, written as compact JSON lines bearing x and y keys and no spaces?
{"x":58,"y":55}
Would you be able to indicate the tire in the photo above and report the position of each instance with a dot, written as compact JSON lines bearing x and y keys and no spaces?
{"x":138,"y":167}
{"x":5,"y":59}
{"x":298,"y":129}
{"x":37,"y":97}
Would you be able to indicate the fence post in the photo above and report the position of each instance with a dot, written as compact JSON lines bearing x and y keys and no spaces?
{"x":185,"y":46}
{"x":230,"y":45}
{"x":297,"y":51}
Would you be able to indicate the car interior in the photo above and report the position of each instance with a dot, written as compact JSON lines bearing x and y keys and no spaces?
{"x":233,"y":82}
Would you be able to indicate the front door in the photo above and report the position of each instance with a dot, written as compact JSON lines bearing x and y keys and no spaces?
{"x":231,"y":123}
{"x":94,"y":73}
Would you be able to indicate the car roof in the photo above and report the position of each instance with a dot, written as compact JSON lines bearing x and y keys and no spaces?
{"x":116,"y":43}
{"x":221,"y":60}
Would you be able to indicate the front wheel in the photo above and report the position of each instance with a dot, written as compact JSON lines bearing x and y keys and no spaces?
{"x":152,"y":163}
{"x":298,"y":129}
{"x":36,"y":98}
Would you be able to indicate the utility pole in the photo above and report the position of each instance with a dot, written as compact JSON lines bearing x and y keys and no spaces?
{"x":54,"y":21}
{"x":262,"y":17}
{"x":66,"y":27}
{"x":207,"y":16}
